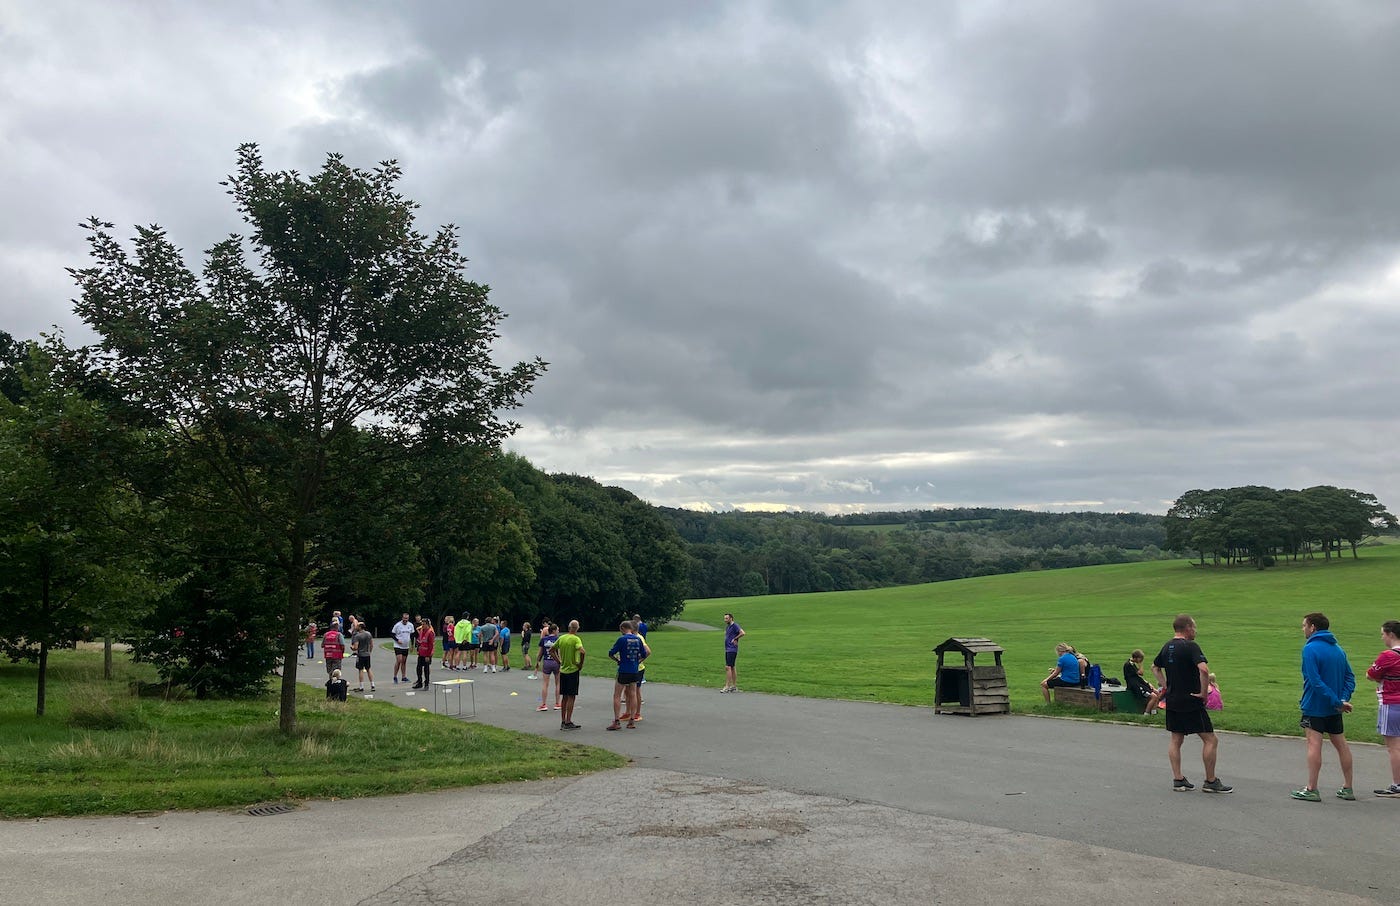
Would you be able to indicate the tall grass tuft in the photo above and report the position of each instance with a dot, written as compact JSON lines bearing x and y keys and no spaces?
{"x":95,"y":706}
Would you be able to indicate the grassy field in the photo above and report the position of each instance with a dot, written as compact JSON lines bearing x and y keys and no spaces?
{"x":100,"y":750}
{"x":877,"y":645}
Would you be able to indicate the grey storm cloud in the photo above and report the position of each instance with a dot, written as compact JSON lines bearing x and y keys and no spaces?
{"x":837,"y":256}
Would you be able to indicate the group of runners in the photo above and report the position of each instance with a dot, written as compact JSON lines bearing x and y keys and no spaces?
{"x":472,"y":643}
{"x":1328,"y":684}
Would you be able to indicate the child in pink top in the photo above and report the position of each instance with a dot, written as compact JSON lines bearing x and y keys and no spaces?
{"x":1213,"y":702}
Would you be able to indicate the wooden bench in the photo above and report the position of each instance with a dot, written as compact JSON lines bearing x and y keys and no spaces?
{"x":1082,"y":698}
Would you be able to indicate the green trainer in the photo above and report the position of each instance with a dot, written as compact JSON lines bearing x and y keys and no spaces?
{"x":1346,"y":793}
{"x":1307,"y":795}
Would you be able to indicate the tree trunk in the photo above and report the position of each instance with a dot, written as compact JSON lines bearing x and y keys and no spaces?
{"x":45,"y":604}
{"x":291,"y":638}
{"x":43,"y":676}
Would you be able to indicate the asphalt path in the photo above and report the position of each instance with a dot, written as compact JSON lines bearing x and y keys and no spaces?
{"x":758,"y":799}
{"x":1106,"y":785}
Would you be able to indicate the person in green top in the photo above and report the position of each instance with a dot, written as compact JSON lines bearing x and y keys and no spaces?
{"x":569,"y":648}
{"x":461,"y":634}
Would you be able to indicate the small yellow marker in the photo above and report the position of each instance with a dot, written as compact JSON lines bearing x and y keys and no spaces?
{"x":515,"y":693}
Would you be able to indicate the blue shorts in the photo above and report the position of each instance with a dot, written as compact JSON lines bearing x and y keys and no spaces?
{"x":449,"y":645}
{"x":730,"y":657}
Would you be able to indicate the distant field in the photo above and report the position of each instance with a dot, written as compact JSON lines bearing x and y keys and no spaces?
{"x":877,"y":645}
{"x":921,"y":526}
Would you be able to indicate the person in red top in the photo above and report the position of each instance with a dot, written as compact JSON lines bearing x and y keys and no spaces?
{"x":333,"y":648}
{"x":1386,"y":671}
{"x":426,"y":641}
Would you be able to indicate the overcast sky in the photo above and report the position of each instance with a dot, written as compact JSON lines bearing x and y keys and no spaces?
{"x":841,"y":257}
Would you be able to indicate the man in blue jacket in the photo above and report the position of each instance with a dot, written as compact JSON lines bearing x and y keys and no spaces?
{"x":1327,"y":687}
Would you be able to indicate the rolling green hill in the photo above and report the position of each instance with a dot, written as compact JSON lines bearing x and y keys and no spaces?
{"x":876,"y":644}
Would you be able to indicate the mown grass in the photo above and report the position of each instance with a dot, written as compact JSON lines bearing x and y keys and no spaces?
{"x":101,"y":750}
{"x":877,"y":645}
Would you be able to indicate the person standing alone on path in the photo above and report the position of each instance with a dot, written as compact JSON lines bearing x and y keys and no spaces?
{"x":732,"y":634}
{"x":1327,"y":687}
{"x":1386,"y":671}
{"x":1180,"y":668}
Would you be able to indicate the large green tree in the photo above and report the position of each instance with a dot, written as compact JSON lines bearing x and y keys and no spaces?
{"x":333,"y":313}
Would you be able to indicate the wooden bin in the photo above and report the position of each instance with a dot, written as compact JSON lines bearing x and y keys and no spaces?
{"x":968,"y":688}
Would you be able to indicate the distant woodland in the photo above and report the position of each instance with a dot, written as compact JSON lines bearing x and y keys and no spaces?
{"x":741,"y":553}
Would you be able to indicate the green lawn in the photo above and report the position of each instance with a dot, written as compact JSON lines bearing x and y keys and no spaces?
{"x":877,"y":645}
{"x":100,"y":750}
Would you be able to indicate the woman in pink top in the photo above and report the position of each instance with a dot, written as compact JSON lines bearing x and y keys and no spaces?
{"x":1386,"y":671}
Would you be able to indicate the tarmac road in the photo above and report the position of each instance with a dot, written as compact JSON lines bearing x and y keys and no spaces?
{"x":752,"y":798}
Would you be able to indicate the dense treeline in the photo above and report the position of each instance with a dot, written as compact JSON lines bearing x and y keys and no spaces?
{"x":739,"y":553}
{"x":1260,"y":525}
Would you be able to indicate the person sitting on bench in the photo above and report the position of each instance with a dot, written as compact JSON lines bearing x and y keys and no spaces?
{"x":1065,"y":672}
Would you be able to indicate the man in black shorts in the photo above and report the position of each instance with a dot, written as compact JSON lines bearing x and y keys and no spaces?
{"x":1328,"y":684}
{"x":1180,"y":667}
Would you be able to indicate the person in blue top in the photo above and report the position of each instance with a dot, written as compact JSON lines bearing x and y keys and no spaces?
{"x":504,"y":636}
{"x":732,"y":634}
{"x":1064,"y":673}
{"x":1327,"y":687}
{"x":628,"y":651}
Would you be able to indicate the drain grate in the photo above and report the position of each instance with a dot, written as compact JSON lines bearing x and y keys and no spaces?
{"x":262,"y":811}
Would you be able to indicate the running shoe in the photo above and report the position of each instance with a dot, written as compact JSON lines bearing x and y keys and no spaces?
{"x":1182,"y":785}
{"x":1306,"y":795}
{"x":542,"y":708}
{"x":1216,"y":786}
{"x":1392,"y":790}
{"x":614,"y":726}
{"x":1347,"y":793}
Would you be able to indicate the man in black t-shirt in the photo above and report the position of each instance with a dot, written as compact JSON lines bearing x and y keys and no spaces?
{"x":1181,"y":669}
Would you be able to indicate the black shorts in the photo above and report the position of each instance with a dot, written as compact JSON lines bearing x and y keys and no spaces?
{"x":627,"y":679}
{"x":472,"y":646}
{"x":362,"y":662}
{"x":1056,"y":682}
{"x":489,"y":646}
{"x":1331,"y":724}
{"x":1189,"y":722}
{"x":400,"y":652}
{"x":505,"y":647}
{"x":568,"y":683}
{"x":730,"y":657}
